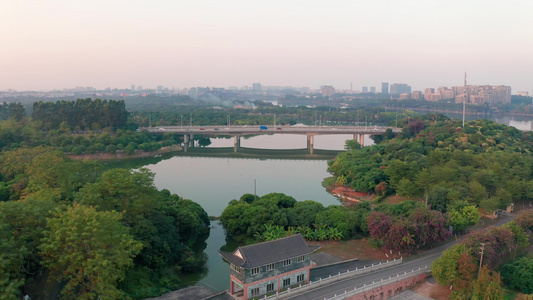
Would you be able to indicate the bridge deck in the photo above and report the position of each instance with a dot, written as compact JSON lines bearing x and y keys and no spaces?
{"x":256,"y":130}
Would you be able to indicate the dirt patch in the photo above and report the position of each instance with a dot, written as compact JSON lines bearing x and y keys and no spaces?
{"x":346,"y":194}
{"x":433,"y":290}
{"x":359,"y":248}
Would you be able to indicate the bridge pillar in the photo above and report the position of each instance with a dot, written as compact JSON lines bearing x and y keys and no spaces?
{"x":310,"y":143}
{"x":362,"y":140}
{"x":236,"y":143}
{"x":191,"y":140}
{"x":185,"y":142}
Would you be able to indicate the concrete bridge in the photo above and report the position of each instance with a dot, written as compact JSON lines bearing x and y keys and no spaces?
{"x":188,"y":132}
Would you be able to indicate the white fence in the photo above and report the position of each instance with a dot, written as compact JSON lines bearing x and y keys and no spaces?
{"x":330,"y":279}
{"x":377,"y":284}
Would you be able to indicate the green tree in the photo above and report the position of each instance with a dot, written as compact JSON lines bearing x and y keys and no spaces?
{"x":466,"y":273}
{"x":438,"y":198}
{"x":445,"y":268}
{"x":488,"y":285}
{"x":463,"y":217}
{"x":519,"y":275}
{"x":89,"y":251}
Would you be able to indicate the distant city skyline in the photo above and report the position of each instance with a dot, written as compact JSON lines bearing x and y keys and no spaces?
{"x":59,"y":44}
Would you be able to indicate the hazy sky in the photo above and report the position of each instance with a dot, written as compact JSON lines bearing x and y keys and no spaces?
{"x":220,"y":43}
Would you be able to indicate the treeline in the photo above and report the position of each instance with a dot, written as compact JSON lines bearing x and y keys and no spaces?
{"x":461,"y":267}
{"x":72,"y":226}
{"x":14,"y":135}
{"x":485,"y":163}
{"x":12,"y":110}
{"x":82,"y":114}
{"x":264,"y":115}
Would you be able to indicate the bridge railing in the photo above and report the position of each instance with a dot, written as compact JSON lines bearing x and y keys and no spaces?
{"x":377,"y":284}
{"x":330,"y":279}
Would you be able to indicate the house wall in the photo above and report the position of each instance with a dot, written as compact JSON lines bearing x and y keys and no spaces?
{"x":240,"y":276}
{"x":278,"y":282}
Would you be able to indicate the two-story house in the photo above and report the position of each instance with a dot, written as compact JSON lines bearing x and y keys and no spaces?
{"x":269,"y":267}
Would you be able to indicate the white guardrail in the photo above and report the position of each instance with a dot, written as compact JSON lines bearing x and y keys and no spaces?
{"x":330,"y":279}
{"x":377,"y":284}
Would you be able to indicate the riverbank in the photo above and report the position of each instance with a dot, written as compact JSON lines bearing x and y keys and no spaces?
{"x":347,"y":194}
{"x":120,"y":154}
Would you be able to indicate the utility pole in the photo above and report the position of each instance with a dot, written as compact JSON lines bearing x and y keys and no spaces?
{"x":481,"y":259}
{"x":465,"y":95}
{"x":396,"y":120}
{"x":190,"y":121}
{"x":255,"y":191}
{"x":274,"y":120}
{"x":181,"y":122}
{"x":150,"y":120}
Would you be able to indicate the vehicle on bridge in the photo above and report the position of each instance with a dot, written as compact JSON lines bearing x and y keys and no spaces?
{"x":262,"y":127}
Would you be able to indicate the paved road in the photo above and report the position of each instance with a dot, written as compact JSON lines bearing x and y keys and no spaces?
{"x":348,"y":284}
{"x":337,"y":288}
{"x":323,"y":272}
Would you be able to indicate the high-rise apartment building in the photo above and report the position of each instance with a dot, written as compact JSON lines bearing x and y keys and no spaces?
{"x":257,"y":87}
{"x":397,"y":89}
{"x":328,"y":91}
{"x":365,"y":90}
{"x":373,"y":89}
{"x":405,"y":96}
{"x":132,"y":87}
{"x":417,"y":95}
{"x":385,"y":88}
{"x":481,"y":94}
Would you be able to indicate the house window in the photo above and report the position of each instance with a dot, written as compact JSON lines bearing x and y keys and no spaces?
{"x":270,"y":287}
{"x":270,"y":267}
{"x":255,"y":292}
{"x":301,"y":258}
{"x":300,"y":278}
{"x":287,"y":262}
{"x":286,"y":282}
{"x":255,"y":271}
{"x":236,"y":269}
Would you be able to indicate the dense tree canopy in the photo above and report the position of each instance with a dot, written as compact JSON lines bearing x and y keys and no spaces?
{"x":71,"y":217}
{"x":485,"y":163}
{"x":83,"y":114}
{"x":88,"y":251}
{"x":250,"y":217}
{"x":407,"y":226}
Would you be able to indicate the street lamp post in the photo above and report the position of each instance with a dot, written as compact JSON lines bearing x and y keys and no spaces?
{"x":481,"y":258}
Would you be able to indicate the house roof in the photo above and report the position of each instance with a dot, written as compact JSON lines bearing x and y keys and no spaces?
{"x":269,"y":252}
